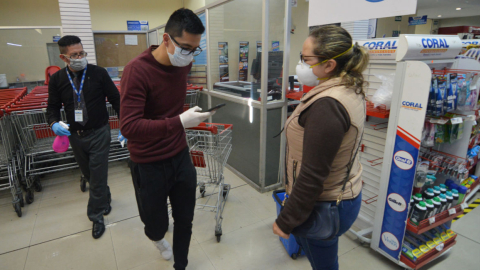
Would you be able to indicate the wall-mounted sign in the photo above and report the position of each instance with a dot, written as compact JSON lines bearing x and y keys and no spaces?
{"x":137,"y":25}
{"x":56,"y":38}
{"x":396,"y":33}
{"x":398,"y":18}
{"x":417,"y":20}
{"x":275,"y":46}
{"x":243,"y":61}
{"x":223,"y":61}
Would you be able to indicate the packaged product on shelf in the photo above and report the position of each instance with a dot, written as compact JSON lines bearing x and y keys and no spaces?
{"x":429,"y":138}
{"x":414,"y":249}
{"x":437,"y":204}
{"x":451,"y":91}
{"x":439,"y":97}
{"x":421,"y":176}
{"x":430,"y":208}
{"x":471,"y":103}
{"x":428,"y":194}
{"x":442,"y":88}
{"x":436,"y":239}
{"x":407,"y":251}
{"x":419,"y":212}
{"x":432,"y":99}
{"x":439,"y":134}
{"x":411,"y":237}
{"x":436,"y":190}
{"x":443,"y":189}
{"x":443,"y":201}
{"x":462,"y":191}
{"x":455,"y":197}
{"x":449,"y":199}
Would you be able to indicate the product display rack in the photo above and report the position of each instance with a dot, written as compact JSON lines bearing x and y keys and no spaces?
{"x":413,"y":57}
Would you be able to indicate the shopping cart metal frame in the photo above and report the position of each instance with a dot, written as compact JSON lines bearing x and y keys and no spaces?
{"x":210,"y":146}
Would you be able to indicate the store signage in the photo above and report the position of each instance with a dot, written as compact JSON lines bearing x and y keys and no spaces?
{"x":56,"y":38}
{"x":395,"y":33}
{"x":137,"y":25}
{"x":466,"y":43}
{"x":275,"y":46}
{"x":420,"y":47}
{"x":417,"y":20}
{"x":405,"y":156}
{"x":381,"y":49}
{"x":322,"y":12}
{"x":398,"y":18}
{"x":223,"y":61}
{"x":201,"y":59}
{"x":243,"y":61}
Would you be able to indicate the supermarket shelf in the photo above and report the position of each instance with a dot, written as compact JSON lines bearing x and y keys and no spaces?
{"x":439,"y":220}
{"x":472,"y":192}
{"x":429,"y":257}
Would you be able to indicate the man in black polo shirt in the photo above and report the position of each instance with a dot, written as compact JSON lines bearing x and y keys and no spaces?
{"x":82,"y":88}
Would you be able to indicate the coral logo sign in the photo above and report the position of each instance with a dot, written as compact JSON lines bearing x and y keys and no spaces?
{"x":403,"y":160}
{"x":396,"y":202}
{"x":390,"y":241}
{"x":412,"y":105}
{"x":434,"y":45}
{"x":374,"y":1}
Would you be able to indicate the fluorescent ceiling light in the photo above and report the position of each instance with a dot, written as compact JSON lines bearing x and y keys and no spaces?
{"x":459,"y":8}
{"x":13,"y":44}
{"x":439,"y":16}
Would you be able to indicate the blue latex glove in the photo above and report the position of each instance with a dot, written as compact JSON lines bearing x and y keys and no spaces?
{"x":121,"y":139}
{"x":59,"y":130}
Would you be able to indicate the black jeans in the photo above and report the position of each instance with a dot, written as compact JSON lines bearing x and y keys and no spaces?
{"x":175,"y":178}
{"x":91,"y":154}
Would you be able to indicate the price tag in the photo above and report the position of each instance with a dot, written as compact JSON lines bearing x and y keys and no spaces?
{"x":440,"y":247}
{"x":452,"y":211}
{"x":464,"y":205}
{"x":456,"y":120}
{"x":431,"y":220}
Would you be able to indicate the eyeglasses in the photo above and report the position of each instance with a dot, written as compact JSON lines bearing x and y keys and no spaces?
{"x":77,"y":55}
{"x":184,"y":51}
{"x":302,"y":57}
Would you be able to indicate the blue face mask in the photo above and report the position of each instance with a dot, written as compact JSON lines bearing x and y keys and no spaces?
{"x":177,"y":59}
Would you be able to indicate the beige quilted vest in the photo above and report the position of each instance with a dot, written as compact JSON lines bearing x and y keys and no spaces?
{"x":355,"y":107}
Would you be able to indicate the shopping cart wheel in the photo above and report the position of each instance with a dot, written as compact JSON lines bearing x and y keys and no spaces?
{"x":83,"y":184}
{"x":202,"y":191}
{"x":218,"y":234}
{"x":294,"y":256}
{"x":29,"y":197}
{"x":38,"y":185}
{"x":18,"y":209}
{"x":22,"y":201}
{"x":225,"y":191}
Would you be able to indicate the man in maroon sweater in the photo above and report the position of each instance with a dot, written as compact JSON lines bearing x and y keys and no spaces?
{"x":154,"y":86}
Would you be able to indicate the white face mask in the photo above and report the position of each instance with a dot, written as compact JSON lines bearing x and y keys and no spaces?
{"x":305,"y":75}
{"x":177,"y":59}
{"x":78,"y":64}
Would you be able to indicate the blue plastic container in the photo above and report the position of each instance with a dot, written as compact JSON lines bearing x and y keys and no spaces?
{"x":291,"y":246}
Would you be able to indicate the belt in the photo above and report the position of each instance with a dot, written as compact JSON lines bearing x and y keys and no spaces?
{"x":84,"y":133}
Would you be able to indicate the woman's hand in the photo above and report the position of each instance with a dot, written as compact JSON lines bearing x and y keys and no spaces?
{"x":277,"y":231}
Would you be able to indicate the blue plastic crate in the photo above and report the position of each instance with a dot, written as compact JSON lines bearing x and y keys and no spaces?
{"x":291,"y":246}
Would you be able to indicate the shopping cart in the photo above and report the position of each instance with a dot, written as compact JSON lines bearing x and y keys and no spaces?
{"x":8,"y":166}
{"x":191,"y":99}
{"x":210,"y":146}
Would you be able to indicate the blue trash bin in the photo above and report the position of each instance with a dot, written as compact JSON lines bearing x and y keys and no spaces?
{"x":291,"y":245}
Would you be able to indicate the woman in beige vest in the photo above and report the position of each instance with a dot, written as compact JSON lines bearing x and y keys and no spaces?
{"x":323,"y":135}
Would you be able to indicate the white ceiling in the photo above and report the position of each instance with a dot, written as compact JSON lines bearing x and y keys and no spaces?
{"x":447,"y":8}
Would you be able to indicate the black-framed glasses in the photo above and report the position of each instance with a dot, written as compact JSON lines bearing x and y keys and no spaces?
{"x":302,"y":57}
{"x":184,"y":51}
{"x":76,"y":55}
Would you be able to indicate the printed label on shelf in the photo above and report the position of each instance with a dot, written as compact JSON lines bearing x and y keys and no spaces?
{"x":440,"y":247}
{"x":431,"y":220}
{"x":452,"y":211}
{"x":457,"y":120}
{"x":464,"y":205}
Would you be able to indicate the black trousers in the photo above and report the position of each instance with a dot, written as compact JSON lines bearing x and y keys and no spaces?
{"x":91,"y":154}
{"x":175,"y":178}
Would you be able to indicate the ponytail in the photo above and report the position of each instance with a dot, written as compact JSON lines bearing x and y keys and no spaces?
{"x":334,"y":42}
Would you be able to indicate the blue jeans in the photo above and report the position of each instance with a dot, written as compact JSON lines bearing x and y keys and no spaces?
{"x":323,"y":254}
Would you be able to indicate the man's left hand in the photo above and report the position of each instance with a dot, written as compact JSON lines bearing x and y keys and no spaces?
{"x":277,"y":231}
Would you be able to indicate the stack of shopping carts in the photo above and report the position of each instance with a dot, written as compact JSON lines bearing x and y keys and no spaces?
{"x":192,"y":96}
{"x":8,"y":163}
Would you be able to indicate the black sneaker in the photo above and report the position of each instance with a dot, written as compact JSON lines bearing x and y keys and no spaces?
{"x":108,"y":210}
{"x":98,"y":229}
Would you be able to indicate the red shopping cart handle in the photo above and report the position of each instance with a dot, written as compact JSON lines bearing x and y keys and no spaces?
{"x":10,"y":110}
{"x":212,"y":127}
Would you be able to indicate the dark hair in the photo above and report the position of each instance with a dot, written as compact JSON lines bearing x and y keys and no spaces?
{"x":184,"y":20}
{"x":330,"y":42}
{"x":66,"y":41}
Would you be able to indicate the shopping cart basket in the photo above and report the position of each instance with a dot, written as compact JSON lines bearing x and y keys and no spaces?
{"x":8,"y":166}
{"x":210,"y":146}
{"x":191,"y":99}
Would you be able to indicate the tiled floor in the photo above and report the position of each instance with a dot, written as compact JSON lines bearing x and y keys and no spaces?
{"x":54,"y":233}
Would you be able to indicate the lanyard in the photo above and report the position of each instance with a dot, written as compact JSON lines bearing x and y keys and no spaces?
{"x":78,"y":92}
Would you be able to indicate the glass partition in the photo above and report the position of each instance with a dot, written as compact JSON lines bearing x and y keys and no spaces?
{"x":153,"y":38}
{"x":115,"y":50}
{"x":235,"y":34}
{"x":275,"y":48}
{"x":26,"y":53}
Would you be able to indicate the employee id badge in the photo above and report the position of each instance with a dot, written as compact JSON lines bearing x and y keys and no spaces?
{"x":78,"y":115}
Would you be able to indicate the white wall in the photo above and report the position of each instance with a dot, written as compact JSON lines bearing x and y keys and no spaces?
{"x":300,"y":22}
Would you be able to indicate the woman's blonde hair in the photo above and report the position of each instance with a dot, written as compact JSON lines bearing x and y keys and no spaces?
{"x":331,"y":41}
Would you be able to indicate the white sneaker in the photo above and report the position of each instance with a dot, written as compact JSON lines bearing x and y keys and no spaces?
{"x":165,"y":248}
